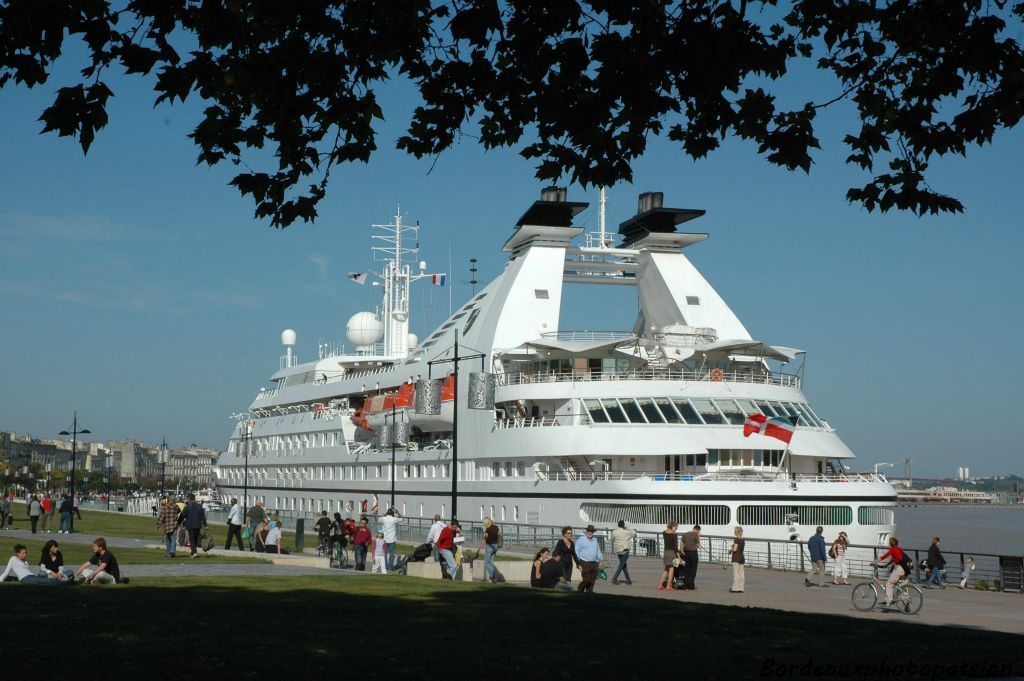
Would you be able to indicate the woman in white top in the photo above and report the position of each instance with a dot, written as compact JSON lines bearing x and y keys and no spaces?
{"x":841,"y":570}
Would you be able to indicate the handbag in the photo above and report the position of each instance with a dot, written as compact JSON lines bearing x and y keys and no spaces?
{"x":245,"y":533}
{"x":603,"y":574}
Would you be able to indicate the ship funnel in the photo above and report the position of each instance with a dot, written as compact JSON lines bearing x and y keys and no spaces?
{"x":649,"y":201}
{"x":554,"y":194}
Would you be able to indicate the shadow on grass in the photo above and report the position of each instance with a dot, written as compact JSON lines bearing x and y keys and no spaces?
{"x":383,"y":627}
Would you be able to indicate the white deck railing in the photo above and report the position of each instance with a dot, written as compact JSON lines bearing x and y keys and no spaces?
{"x":765,"y":378}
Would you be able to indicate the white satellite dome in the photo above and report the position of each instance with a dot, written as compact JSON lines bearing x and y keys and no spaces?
{"x":414,"y":340}
{"x":363,"y":329}
{"x":287,"y":338}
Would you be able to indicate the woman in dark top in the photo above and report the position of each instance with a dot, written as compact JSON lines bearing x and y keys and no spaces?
{"x":738,"y":561}
{"x":670,"y":559}
{"x":51,"y":563}
{"x":565,"y":552}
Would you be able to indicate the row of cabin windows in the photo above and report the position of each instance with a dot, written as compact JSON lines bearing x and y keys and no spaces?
{"x":286,"y":444}
{"x":468,"y":470}
{"x":745,"y":458}
{"x":720,"y":514}
{"x":695,"y":411}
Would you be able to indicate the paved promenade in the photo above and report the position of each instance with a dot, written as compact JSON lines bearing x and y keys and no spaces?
{"x":764,"y":588}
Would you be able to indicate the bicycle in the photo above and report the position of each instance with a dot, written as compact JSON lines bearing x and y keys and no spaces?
{"x":905,"y":597}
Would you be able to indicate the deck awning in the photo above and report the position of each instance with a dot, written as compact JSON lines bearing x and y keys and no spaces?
{"x":569,"y":348}
{"x":752,"y":348}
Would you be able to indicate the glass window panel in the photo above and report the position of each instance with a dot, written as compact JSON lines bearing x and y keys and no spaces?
{"x":817,"y":418}
{"x":765,"y":408}
{"x":713,"y":457}
{"x":708,"y":411}
{"x":615,"y":412}
{"x":757,"y":457}
{"x":687,"y":411}
{"x":597,"y":414}
{"x":808,"y":414}
{"x":801,"y":420}
{"x":690,"y":460}
{"x":702,"y":460}
{"x":731,"y":410}
{"x":749,"y":407}
{"x":668,"y":411}
{"x":632,"y":410}
{"x":650,"y":410}
{"x":782,"y":409}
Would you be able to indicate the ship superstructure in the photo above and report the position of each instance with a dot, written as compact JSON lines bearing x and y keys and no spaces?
{"x":643,"y":424}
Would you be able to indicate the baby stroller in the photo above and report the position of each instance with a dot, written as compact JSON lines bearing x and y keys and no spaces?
{"x":418,"y":555}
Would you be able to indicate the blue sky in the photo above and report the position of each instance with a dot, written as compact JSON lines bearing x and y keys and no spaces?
{"x":136,"y":288}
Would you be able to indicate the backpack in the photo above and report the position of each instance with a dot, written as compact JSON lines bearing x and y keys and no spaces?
{"x":907,"y":564}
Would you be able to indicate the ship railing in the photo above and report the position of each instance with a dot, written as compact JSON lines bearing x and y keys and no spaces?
{"x":587,"y":376}
{"x":542,"y":421}
{"x":588,"y":335}
{"x":745,"y":475}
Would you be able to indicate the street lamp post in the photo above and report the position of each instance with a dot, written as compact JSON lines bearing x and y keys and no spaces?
{"x":110,"y":465}
{"x":246,"y":445}
{"x":163,"y":464}
{"x":75,"y":432}
{"x":394,"y":433}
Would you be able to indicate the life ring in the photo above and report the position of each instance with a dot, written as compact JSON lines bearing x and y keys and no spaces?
{"x":717,"y":374}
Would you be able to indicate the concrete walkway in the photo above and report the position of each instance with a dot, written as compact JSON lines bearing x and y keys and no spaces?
{"x":771,"y":589}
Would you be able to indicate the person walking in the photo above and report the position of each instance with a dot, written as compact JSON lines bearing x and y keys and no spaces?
{"x":257,"y":514}
{"x":965,"y":572}
{"x":432,"y":535}
{"x":235,"y":520}
{"x":622,"y":538}
{"x":670,"y":558}
{"x":691,"y":554}
{"x":588,"y":551}
{"x":167,"y":520}
{"x":937,"y":563}
{"x":361,"y":542}
{"x":66,"y":509}
{"x":193,"y":517}
{"x":841,"y":568}
{"x":565,"y":553}
{"x":739,"y":576}
{"x":76,"y":499}
{"x":389,"y":523}
{"x":48,"y":511}
{"x":489,"y":544}
{"x":34,"y":509}
{"x":816,"y":547}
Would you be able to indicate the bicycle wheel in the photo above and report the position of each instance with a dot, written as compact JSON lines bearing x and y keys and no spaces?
{"x":911,"y":600}
{"x":864,"y":597}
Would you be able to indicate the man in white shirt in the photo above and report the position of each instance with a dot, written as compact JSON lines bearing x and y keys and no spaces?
{"x":275,"y":543}
{"x":433,"y":534}
{"x":235,"y":521}
{"x":390,"y":522}
{"x":19,"y":567}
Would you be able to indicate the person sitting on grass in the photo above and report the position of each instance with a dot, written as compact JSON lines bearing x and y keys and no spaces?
{"x":51,"y":562}
{"x":101,"y":568}
{"x":275,"y":539}
{"x":18,"y":567}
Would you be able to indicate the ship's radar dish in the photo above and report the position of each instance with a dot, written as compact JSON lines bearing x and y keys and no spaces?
{"x":288,"y":338}
{"x":364,"y":329}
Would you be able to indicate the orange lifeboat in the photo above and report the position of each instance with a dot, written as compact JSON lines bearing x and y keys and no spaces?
{"x":360,"y":421}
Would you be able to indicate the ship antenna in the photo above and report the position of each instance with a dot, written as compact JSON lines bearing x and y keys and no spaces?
{"x":601,"y":211}
{"x":472,"y":274}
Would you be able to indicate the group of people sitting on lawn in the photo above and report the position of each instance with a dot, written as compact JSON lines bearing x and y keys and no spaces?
{"x":101,"y":568}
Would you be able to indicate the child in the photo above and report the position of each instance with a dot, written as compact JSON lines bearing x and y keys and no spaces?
{"x":379,"y":552}
{"x":965,"y":572}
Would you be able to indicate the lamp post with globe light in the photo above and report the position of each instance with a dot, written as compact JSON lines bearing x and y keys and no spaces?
{"x":75,"y":432}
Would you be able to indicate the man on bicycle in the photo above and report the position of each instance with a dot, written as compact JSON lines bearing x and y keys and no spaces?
{"x":899,"y":569}
{"x":323,"y":531}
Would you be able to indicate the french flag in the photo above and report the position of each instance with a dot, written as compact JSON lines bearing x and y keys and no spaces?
{"x":779,"y":427}
{"x":438,"y":279}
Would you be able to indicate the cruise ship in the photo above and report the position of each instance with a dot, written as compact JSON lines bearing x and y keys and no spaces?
{"x":502,"y":412}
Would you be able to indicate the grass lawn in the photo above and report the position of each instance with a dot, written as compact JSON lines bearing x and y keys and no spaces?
{"x":378,"y":627}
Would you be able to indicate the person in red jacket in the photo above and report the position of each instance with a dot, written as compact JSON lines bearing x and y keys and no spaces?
{"x":898,"y":572}
{"x":48,"y":510}
{"x":361,"y":542}
{"x":446,"y":547}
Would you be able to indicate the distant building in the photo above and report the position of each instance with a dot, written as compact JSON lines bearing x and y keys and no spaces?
{"x":193,"y":465}
{"x":963,"y":473}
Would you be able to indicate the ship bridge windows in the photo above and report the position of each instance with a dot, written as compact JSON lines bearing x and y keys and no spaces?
{"x":632,"y":410}
{"x":693,"y":411}
{"x":731,"y":411}
{"x":806,"y":515}
{"x":650,"y":410}
{"x":708,"y":411}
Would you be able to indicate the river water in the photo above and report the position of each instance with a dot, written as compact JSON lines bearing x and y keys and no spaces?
{"x":963,"y":529}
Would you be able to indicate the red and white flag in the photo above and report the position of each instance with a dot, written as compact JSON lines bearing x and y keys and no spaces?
{"x":779,"y":427}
